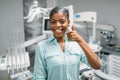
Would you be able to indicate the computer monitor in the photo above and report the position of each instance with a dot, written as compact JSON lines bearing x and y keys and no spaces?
{"x":46,"y":25}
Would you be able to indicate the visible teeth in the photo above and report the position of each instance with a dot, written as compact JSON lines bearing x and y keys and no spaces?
{"x":58,"y":30}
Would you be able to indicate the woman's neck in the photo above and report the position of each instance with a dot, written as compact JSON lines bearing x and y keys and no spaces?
{"x":61,"y":42}
{"x":61,"y":39}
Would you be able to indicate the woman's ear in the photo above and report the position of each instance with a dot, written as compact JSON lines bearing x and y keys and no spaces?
{"x":69,"y":22}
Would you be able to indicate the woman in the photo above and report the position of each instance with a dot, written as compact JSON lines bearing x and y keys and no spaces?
{"x":59,"y":57}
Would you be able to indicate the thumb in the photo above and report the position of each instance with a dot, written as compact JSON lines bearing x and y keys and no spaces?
{"x":73,"y":28}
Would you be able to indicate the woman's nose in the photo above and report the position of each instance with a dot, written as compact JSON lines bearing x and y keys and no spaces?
{"x":58,"y":24}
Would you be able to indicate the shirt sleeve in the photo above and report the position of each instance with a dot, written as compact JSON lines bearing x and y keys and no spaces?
{"x":39,"y":65}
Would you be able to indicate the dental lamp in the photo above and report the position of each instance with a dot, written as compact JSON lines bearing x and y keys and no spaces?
{"x":35,"y":11}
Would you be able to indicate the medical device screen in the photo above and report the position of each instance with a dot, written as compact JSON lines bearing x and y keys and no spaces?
{"x":47,"y":24}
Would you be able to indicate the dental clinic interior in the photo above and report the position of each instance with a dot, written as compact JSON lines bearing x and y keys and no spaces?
{"x":24,"y":23}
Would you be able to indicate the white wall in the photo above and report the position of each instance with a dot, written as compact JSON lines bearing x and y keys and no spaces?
{"x":11,"y":19}
{"x":108,"y":10}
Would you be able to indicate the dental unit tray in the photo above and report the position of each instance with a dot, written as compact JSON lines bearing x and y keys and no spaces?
{"x":26,"y":75}
{"x":7,"y":61}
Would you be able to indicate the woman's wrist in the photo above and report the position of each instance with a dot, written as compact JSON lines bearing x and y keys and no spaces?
{"x":79,"y":40}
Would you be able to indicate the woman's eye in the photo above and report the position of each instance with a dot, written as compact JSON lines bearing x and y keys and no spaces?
{"x":52,"y":22}
{"x":62,"y":21}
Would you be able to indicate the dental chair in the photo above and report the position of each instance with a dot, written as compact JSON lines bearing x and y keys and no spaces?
{"x":85,"y":73}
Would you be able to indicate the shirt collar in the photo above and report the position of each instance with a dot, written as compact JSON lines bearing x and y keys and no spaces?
{"x":51,"y":39}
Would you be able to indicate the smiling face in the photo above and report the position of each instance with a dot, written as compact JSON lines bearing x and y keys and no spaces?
{"x":59,"y":23}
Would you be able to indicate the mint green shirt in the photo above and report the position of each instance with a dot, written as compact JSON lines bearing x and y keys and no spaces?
{"x":51,"y":63}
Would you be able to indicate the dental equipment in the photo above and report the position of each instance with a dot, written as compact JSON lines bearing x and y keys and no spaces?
{"x":105,"y":27}
{"x":35,"y":40}
{"x":88,"y":17}
{"x":27,"y":75}
{"x":86,"y":73}
{"x":2,"y":61}
{"x":16,"y":57}
{"x":35,"y":11}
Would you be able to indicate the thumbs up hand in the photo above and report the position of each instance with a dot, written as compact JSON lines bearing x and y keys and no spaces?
{"x":74,"y":36}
